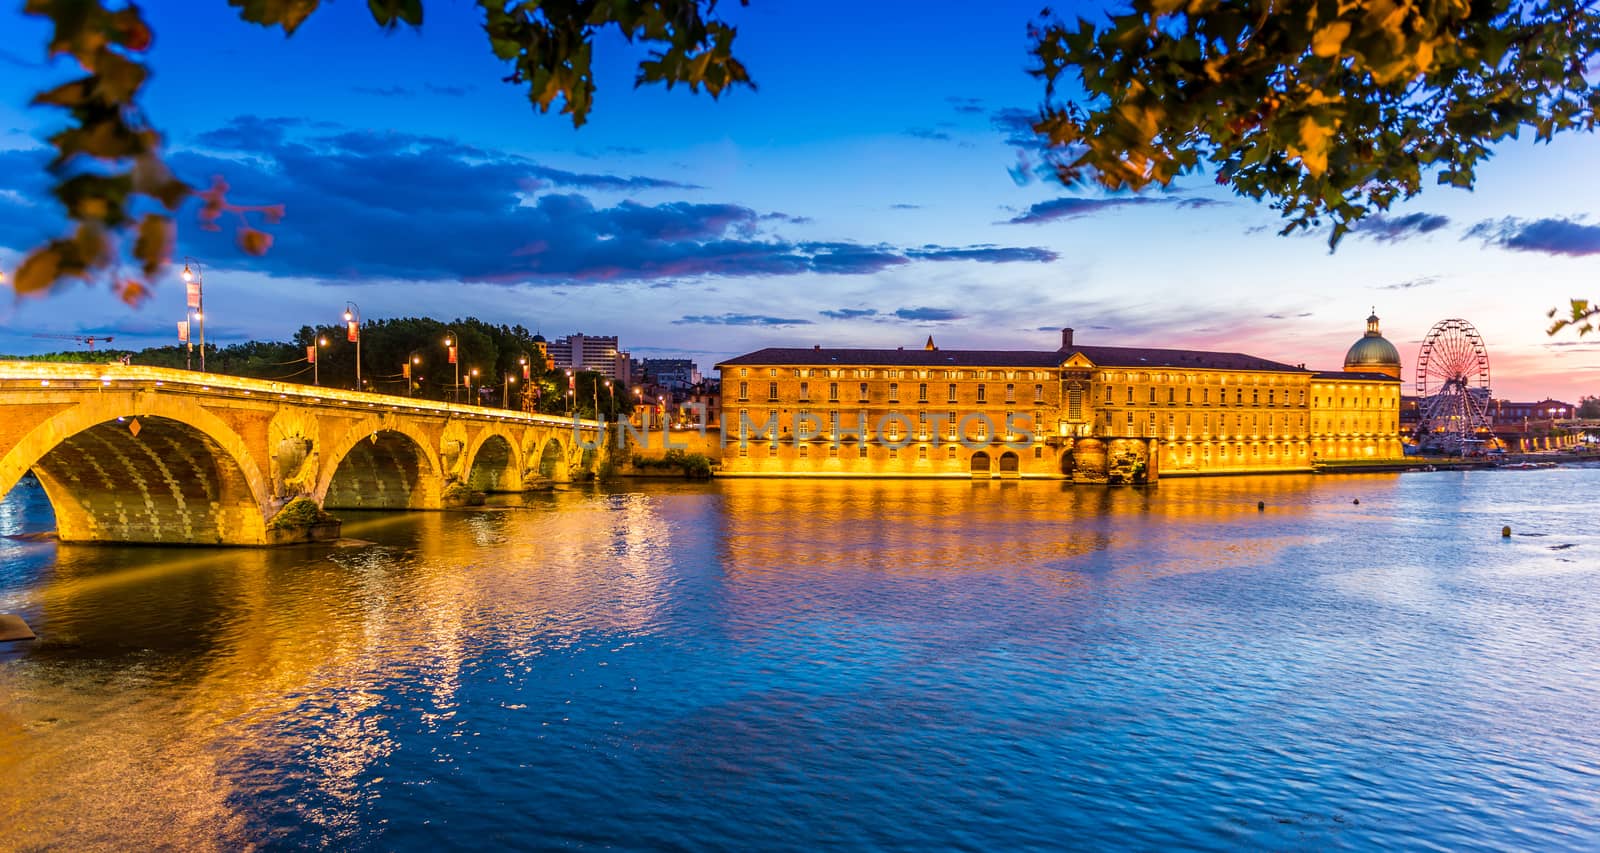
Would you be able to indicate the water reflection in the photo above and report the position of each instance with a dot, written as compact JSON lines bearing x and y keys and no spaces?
{"x":889,"y":663}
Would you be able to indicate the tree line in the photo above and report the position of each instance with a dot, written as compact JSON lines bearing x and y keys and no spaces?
{"x":491,"y":360}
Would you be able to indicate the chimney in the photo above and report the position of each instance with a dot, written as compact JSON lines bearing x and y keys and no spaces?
{"x":1066,"y":339}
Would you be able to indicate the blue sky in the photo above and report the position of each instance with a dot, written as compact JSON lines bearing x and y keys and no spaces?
{"x":861,"y":196}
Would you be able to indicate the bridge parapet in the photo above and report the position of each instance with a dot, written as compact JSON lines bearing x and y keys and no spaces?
{"x":131,"y":453}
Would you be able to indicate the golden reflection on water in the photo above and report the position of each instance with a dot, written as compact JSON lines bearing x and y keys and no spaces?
{"x":167,"y":679}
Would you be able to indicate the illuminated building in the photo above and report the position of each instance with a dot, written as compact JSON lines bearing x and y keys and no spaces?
{"x":1084,"y":412}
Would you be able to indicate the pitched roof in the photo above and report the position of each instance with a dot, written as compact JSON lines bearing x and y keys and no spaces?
{"x":1101,"y":356}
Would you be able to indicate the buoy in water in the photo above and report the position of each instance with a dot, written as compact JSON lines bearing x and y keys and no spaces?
{"x":1357,"y":501}
{"x":1505,"y":532}
{"x":1261,"y":506}
{"x":13,"y":628}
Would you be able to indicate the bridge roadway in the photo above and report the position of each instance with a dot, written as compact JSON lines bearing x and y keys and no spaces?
{"x":145,"y":454}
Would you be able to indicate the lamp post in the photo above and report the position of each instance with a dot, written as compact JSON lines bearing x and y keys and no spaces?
{"x":316,"y":359}
{"x":505,"y":391}
{"x":473,"y":374}
{"x":450,"y":342}
{"x":352,"y":320}
{"x":572,"y":394}
{"x":192,"y":273}
{"x":527,"y":377}
{"x":409,"y":369}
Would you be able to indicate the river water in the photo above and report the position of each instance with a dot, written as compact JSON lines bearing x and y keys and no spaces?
{"x":786,"y":664}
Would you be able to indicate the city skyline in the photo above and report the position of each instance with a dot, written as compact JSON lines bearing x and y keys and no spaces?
{"x":706,"y":229}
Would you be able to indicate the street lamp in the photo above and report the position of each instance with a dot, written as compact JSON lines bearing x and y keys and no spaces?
{"x":408,"y":369}
{"x":572,"y":394}
{"x":352,"y":320}
{"x":505,"y":391}
{"x":192,"y":272}
{"x":450,"y":342}
{"x":316,"y":360}
{"x":473,"y":373}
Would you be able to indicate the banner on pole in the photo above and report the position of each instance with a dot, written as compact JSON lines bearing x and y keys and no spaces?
{"x":311,"y":354}
{"x":183,"y":331}
{"x":452,"y":354}
{"x":193,"y":288}
{"x":352,"y":332}
{"x":405,"y":370}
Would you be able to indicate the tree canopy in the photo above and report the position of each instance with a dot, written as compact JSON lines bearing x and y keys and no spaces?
{"x":1332,"y":109}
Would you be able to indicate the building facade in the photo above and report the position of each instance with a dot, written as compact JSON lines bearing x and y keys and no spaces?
{"x":599,"y":353}
{"x":1086,"y":413}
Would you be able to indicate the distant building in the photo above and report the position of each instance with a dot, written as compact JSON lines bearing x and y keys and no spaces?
{"x":598,"y":353}
{"x":679,"y":374}
{"x":1509,"y":412}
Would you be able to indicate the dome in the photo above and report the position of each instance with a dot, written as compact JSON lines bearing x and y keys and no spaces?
{"x":1373,"y":352}
{"x":538,"y":338}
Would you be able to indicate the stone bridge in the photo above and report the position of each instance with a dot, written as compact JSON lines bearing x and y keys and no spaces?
{"x":144,"y":454}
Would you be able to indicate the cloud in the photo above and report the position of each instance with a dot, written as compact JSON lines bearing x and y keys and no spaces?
{"x":363,"y":207}
{"x":971,"y":106}
{"x":740,"y":320}
{"x":904,"y":206}
{"x":929,"y":134}
{"x":987,"y":253}
{"x":1550,"y":236}
{"x":1072,"y":207}
{"x":1386,"y":229}
{"x":848,"y":313}
{"x":1411,"y":283}
{"x":934,"y":315}
{"x":1275,"y":317}
{"x":1016,"y":125}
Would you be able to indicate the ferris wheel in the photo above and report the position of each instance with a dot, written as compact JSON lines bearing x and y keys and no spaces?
{"x":1453,"y":388}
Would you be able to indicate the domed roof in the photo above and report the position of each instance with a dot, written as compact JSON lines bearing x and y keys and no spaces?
{"x":538,"y":338}
{"x":1372,"y":350}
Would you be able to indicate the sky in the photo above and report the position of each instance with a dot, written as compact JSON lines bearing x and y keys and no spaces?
{"x":864,"y":195}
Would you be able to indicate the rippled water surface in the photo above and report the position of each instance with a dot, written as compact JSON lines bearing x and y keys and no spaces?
{"x":785,"y":664}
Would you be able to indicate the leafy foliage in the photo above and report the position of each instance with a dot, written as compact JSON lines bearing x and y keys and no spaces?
{"x":300,"y":512}
{"x":1581,"y":317}
{"x":386,"y":347}
{"x":1330,"y":108}
{"x":1589,"y":407}
{"x":695,"y":466}
{"x":120,"y":194}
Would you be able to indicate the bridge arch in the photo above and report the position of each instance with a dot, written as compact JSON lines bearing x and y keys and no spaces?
{"x":380,"y":465}
{"x":144,"y":468}
{"x":494,"y":464}
{"x":551,"y":461}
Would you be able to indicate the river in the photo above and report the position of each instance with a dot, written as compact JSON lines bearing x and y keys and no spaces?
{"x":786,"y":664}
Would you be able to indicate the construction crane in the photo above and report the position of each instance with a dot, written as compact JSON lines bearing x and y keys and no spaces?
{"x":82,"y":339}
